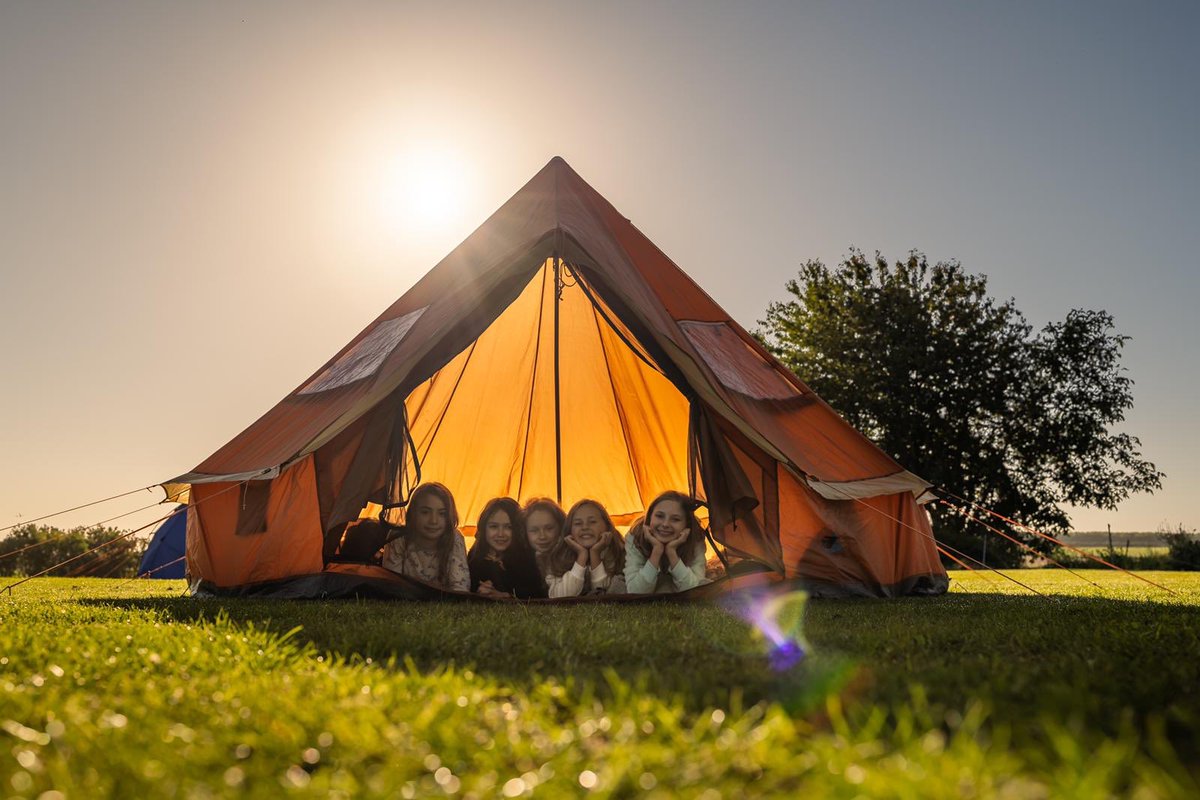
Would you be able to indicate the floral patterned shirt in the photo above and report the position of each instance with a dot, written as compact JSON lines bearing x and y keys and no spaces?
{"x":415,"y":562}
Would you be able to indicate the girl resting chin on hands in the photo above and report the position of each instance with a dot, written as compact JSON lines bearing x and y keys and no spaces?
{"x":591,"y":557}
{"x":664,"y":551}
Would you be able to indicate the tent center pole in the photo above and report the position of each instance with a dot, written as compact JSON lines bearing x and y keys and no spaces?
{"x":558,"y":289}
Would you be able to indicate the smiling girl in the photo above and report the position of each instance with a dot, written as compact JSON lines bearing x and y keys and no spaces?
{"x":502,"y":562}
{"x":429,"y":547}
{"x":590,"y":559}
{"x":665,"y":550}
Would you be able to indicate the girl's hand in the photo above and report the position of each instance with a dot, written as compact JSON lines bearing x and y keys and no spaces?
{"x":602,"y":542}
{"x":679,"y":539}
{"x":581,"y":552}
{"x":488,"y":590}
{"x":657,"y":550}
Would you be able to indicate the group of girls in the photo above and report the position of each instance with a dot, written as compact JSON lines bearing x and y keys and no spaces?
{"x":541,"y":551}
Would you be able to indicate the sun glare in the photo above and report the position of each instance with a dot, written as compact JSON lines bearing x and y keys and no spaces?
{"x":425,"y":188}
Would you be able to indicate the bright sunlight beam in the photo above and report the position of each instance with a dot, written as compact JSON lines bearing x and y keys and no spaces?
{"x":425,"y":188}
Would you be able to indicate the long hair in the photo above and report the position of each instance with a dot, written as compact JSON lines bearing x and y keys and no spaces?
{"x":545,"y":560}
{"x":613,"y":556}
{"x":518,"y":549}
{"x":685,"y":551}
{"x":445,"y":542}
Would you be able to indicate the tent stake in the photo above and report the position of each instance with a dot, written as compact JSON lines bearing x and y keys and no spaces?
{"x":558,"y":289}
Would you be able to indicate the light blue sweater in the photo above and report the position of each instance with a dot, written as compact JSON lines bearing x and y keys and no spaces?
{"x":642,"y":577}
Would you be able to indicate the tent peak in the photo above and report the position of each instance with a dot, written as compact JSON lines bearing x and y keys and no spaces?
{"x":558,"y":163}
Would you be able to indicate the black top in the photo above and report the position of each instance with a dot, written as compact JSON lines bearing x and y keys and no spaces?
{"x":510,"y":573}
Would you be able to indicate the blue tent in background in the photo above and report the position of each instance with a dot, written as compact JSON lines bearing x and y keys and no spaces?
{"x":166,"y":548}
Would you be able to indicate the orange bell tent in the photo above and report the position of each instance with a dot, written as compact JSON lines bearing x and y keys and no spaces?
{"x":556,"y":352}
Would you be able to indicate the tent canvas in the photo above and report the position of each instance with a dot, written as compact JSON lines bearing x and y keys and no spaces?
{"x":558,"y":352}
{"x":164,"y":556}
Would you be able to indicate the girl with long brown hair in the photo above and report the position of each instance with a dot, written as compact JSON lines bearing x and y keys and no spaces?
{"x":502,"y":562}
{"x":664,"y":551}
{"x":545,"y":522}
{"x":430,"y":548}
{"x":590,"y":559}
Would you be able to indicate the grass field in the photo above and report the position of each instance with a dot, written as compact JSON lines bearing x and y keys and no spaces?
{"x":127,"y":689}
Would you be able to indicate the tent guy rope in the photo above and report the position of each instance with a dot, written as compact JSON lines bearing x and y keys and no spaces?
{"x":963,"y":512}
{"x":938,"y":544}
{"x":64,"y":534}
{"x":1050,"y":538}
{"x":182,"y":509}
{"x":77,"y":508}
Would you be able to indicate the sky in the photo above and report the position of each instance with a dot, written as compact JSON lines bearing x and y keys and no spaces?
{"x":201,"y":203}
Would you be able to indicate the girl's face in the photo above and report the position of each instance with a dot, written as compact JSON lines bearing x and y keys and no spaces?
{"x":542,"y":529}
{"x":587,"y":526}
{"x":499,"y":531}
{"x":429,"y":518}
{"x":667,"y":521}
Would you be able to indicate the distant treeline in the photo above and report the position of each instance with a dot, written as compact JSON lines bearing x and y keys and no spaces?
{"x":1129,"y":550}
{"x":1119,"y":538}
{"x":96,"y":551}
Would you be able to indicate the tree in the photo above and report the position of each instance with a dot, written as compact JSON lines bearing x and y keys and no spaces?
{"x":958,"y":388}
{"x":29,"y":549}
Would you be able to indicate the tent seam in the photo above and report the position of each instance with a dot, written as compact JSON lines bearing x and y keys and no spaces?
{"x":537,"y":350}
{"x":450,"y":399}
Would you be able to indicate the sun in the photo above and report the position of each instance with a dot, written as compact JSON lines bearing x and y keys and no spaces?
{"x":425,"y":188}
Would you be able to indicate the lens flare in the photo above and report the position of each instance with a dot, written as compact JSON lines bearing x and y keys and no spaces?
{"x":775,"y":617}
{"x":780,"y":619}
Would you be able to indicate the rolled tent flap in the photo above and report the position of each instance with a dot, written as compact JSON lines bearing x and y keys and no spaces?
{"x":176,"y":492}
{"x":556,"y":352}
{"x":872,"y":487}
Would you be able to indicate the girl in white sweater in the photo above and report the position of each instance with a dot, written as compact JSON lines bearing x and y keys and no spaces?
{"x":590,"y":559}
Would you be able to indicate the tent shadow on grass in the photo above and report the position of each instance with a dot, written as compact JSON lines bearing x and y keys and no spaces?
{"x":1098,"y":664}
{"x":696,"y":652}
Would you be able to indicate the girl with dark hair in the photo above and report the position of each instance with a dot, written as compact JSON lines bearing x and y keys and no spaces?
{"x":665,"y":549}
{"x":544,"y":524}
{"x":502,"y":562}
{"x":590,"y":559}
{"x":429,"y":547}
